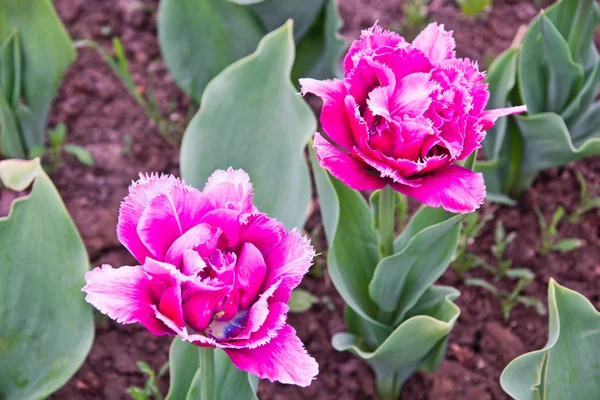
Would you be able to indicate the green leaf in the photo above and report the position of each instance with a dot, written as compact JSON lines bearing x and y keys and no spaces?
{"x":137,"y":393}
{"x":568,"y":245}
{"x":482,"y":284}
{"x":301,"y":300}
{"x":231,"y":382}
{"x":419,"y":342}
{"x":582,"y":101}
{"x":319,"y":52}
{"x":11,"y":68}
{"x":199,"y":38}
{"x":56,"y":136}
{"x":46,"y":54}
{"x":245,"y":2}
{"x":567,"y":367}
{"x":587,"y":126}
{"x":474,"y":8}
{"x":82,"y":155}
{"x":401,"y":279}
{"x":548,"y":76}
{"x":11,"y":141}
{"x":253,"y":119}
{"x":46,"y":327}
{"x":274,"y":13}
{"x":547,"y":142}
{"x":353,"y":243}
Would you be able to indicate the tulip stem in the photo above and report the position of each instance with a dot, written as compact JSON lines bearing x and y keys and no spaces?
{"x":386,"y":221}
{"x":207,"y":371}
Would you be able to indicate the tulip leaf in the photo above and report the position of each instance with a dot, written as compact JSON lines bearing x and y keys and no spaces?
{"x":502,"y":78}
{"x":320,"y":50}
{"x":231,"y":383}
{"x":46,"y":327}
{"x":547,"y":142}
{"x":401,"y":279}
{"x":419,"y":342}
{"x":46,"y":52}
{"x":199,"y":38}
{"x":588,"y":126}
{"x":548,"y":76}
{"x":253,"y":119}
{"x":274,"y":13}
{"x":353,"y":242}
{"x":567,"y":367}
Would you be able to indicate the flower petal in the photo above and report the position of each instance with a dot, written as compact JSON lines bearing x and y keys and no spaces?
{"x":203,"y":238}
{"x":437,"y":44}
{"x":410,"y":97}
{"x":288,"y":263}
{"x":333,"y":114}
{"x":125,"y":295}
{"x":250,"y":273}
{"x":344,"y":167}
{"x":262,"y":231}
{"x":283,"y":359}
{"x":455,"y":188}
{"x":140,"y":195}
{"x":489,"y":117}
{"x":374,"y":38}
{"x":231,"y":189}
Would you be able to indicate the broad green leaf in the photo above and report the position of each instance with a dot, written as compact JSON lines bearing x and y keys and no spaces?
{"x":274,"y":13}
{"x":581,"y":103}
{"x":46,"y":327}
{"x":588,"y":126}
{"x":46,"y":52}
{"x":419,"y":342}
{"x":231,"y":382}
{"x":401,"y":279}
{"x":199,"y":38}
{"x":567,"y":367}
{"x":548,"y":76}
{"x":10,"y":68}
{"x":11,"y":144}
{"x":253,"y":119}
{"x":319,"y":52}
{"x":301,"y":300}
{"x":576,"y":21}
{"x":547,"y":142}
{"x":501,"y":77}
{"x":353,"y":243}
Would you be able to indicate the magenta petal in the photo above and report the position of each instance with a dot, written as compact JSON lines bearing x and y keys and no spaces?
{"x":437,"y":44}
{"x":231,"y":189}
{"x":455,"y":188}
{"x":140,"y":195}
{"x":372,"y":39}
{"x":288,"y":262}
{"x":228,"y":221}
{"x":250,"y":274}
{"x":203,"y":238}
{"x":283,"y":359}
{"x":489,"y":117}
{"x":125,"y":295}
{"x":410,"y":97}
{"x":171,"y":213}
{"x":390,"y":171}
{"x":344,"y":167}
{"x":262,"y":231}
{"x":333,"y":114}
{"x":170,"y":304}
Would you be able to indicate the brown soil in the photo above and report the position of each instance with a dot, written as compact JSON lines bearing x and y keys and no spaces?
{"x":101,"y":116}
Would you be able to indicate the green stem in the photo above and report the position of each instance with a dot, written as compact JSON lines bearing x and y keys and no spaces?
{"x":386,"y":235}
{"x":386,"y":221}
{"x":207,"y":371}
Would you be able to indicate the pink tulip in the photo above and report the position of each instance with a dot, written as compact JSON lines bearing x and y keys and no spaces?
{"x":214,"y":271}
{"x":402,"y":115}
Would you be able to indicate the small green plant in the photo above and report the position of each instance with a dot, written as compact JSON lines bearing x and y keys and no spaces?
{"x":301,"y":300}
{"x":57,"y":149}
{"x":586,"y":200}
{"x":510,"y":299}
{"x":499,"y":248}
{"x":549,"y":233}
{"x":473,"y":224}
{"x":474,"y":8}
{"x":415,"y":18}
{"x":171,"y":131}
{"x":150,"y":389}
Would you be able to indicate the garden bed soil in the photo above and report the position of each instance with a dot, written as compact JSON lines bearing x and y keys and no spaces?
{"x":101,"y":116}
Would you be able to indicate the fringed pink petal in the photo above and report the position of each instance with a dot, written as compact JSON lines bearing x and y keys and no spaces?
{"x":283,"y":359}
{"x":454,"y":188}
{"x":437,"y":44}
{"x":231,"y":189}
{"x":489,"y":117}
{"x":372,"y":39}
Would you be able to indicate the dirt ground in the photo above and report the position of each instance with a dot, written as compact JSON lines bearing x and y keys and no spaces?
{"x":101,"y":116}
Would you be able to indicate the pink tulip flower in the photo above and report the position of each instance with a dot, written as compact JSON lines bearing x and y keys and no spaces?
{"x":402,"y":115}
{"x":214,"y":271}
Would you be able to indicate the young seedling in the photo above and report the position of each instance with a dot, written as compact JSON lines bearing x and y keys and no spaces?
{"x":473,"y":224}
{"x":150,"y":390}
{"x":57,"y":149}
{"x":510,"y":299}
{"x":499,"y":248}
{"x":549,"y":240}
{"x":586,"y":200}
{"x":301,"y":300}
{"x":171,"y":131}
{"x":474,"y":8}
